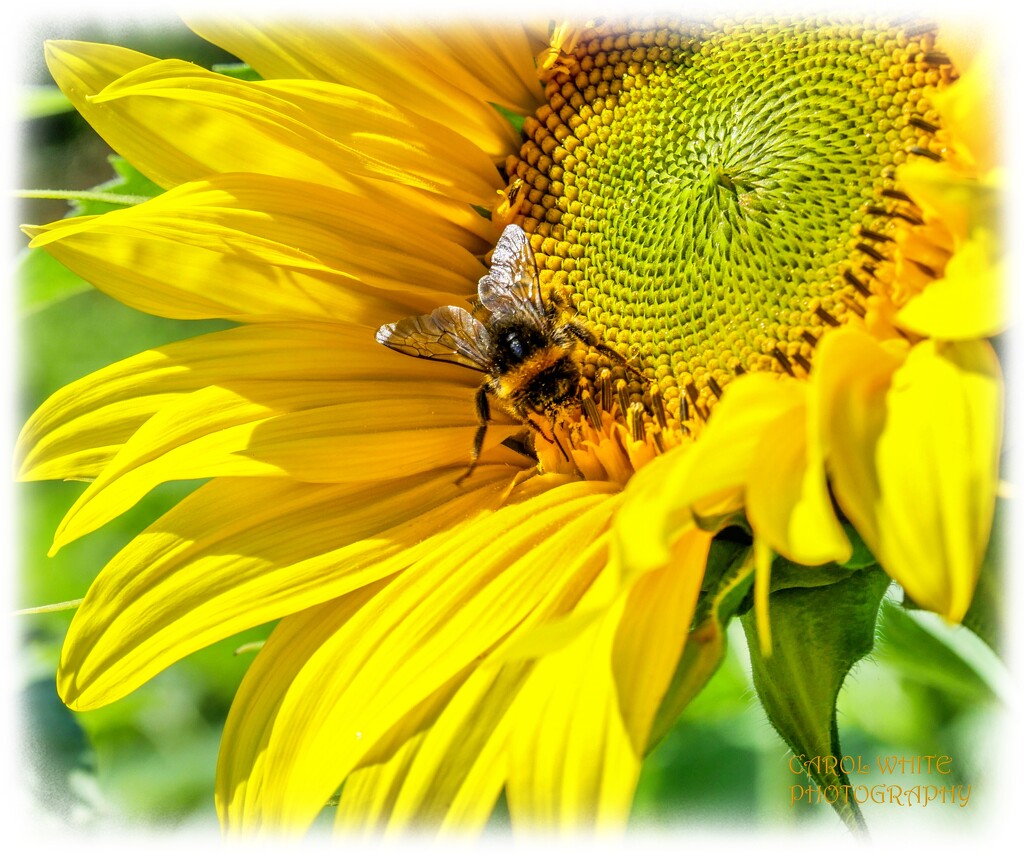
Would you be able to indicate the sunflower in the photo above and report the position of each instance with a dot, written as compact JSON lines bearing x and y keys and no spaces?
{"x":769,"y":228}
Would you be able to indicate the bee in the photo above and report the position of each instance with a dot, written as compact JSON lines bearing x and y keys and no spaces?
{"x":522,"y":347}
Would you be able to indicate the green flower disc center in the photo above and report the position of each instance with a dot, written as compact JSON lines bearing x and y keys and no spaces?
{"x":715,"y":197}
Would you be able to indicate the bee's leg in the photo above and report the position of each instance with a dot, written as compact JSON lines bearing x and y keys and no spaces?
{"x":556,"y":304}
{"x":521,"y":476}
{"x":483,"y":414}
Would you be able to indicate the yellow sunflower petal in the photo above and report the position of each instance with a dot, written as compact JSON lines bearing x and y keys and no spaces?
{"x":756,"y":443}
{"x":368,"y":797}
{"x":914,"y":449}
{"x":81,"y":69}
{"x":166,"y":151}
{"x":238,"y":554}
{"x":788,"y":502}
{"x":54,"y":447}
{"x":424,"y":629}
{"x":945,"y":406}
{"x":648,"y":641}
{"x":175,"y":122}
{"x":962,"y":40}
{"x":382,"y":761}
{"x":82,"y":425}
{"x":651,"y":517}
{"x":571,"y":761}
{"x":251,"y":247}
{"x":452,"y":79}
{"x":728,"y":447}
{"x":492,"y":60}
{"x":250,"y":723}
{"x":852,"y":376}
{"x":763,"y":557}
{"x":584,"y":718}
{"x":962,"y":203}
{"x":312,"y":129}
{"x":172,"y":154}
{"x":968,"y":302}
{"x":318,"y":432}
{"x":449,"y":776}
{"x":970,"y":111}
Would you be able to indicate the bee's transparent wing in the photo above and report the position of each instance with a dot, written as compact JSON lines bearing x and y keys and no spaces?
{"x":447,"y":334}
{"x":512,"y":285}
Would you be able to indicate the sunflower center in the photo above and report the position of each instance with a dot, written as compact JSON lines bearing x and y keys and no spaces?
{"x":714,"y":198}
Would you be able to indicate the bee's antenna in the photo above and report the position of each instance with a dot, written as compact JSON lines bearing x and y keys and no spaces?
{"x":581,"y":333}
{"x":540,"y":430}
{"x":622,"y":360}
{"x":558,"y":444}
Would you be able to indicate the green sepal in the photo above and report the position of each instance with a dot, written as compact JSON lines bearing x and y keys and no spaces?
{"x":985,"y":616}
{"x":727,"y":581}
{"x":861,"y":558}
{"x":818,"y":634}
{"x":786,"y":575}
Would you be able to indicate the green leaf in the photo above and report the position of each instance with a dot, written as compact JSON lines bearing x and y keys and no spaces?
{"x":729,"y":575}
{"x":944,"y":660}
{"x":61,"y":756}
{"x":238,"y":70}
{"x":818,"y":634}
{"x":43,"y":281}
{"x":515,"y":119}
{"x":37,"y":102}
{"x":128,"y":183}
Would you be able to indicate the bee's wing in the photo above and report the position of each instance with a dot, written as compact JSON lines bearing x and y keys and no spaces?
{"x":512,"y":285}
{"x":447,"y":334}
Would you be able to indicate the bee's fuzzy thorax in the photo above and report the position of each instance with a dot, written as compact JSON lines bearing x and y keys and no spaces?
{"x":539,"y":383}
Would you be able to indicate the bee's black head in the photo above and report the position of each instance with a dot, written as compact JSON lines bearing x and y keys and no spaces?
{"x":515,"y":342}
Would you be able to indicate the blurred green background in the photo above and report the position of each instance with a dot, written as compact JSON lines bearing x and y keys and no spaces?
{"x":149,"y":759}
